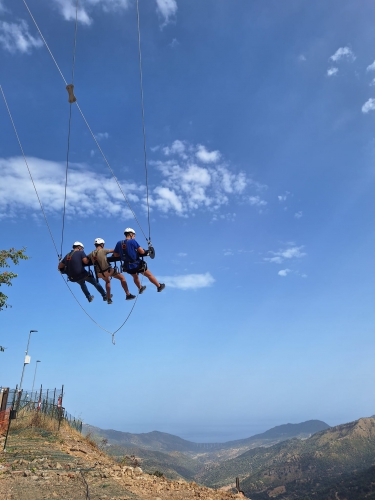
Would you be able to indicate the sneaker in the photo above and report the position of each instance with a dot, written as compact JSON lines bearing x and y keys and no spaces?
{"x":161,"y":287}
{"x":105,"y":297}
{"x":130,"y":297}
{"x":91,"y":298}
{"x":109,"y":300}
{"x":142,"y":289}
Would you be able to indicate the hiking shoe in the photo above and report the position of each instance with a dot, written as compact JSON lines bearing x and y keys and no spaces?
{"x":161,"y":287}
{"x":91,"y":298}
{"x":109,"y":301}
{"x":142,"y":289}
{"x":130,"y":297}
{"x":105,"y":297}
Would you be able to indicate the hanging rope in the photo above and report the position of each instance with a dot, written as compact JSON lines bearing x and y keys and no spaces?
{"x":69,"y":130}
{"x":87,"y":124}
{"x":51,"y":235}
{"x":143,"y":118}
{"x":28,"y":169}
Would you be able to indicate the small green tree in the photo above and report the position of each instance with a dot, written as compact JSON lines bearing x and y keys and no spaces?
{"x":6,"y":277}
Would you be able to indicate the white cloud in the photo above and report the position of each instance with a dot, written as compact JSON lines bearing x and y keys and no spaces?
{"x":302,"y":58}
{"x":177,"y":147}
{"x":87,"y":190}
{"x":188,"y":281}
{"x":182,"y":254}
{"x":174,"y":43}
{"x":181,"y":186}
{"x":284,"y":272}
{"x":188,"y":185}
{"x":369,"y":105}
{"x":372,"y":83}
{"x":298,"y":215}
{"x":282,"y":197}
{"x":332,"y":71}
{"x":16,"y":37}
{"x":257,"y":201}
{"x":371,"y":67}
{"x":167,"y":8}
{"x":101,"y":135}
{"x":206,"y":156}
{"x":343,"y":53}
{"x":292,"y":252}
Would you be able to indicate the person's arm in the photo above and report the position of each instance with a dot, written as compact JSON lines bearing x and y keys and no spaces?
{"x":140,"y":251}
{"x":61,"y":265}
{"x":86,"y":261}
{"x":116,"y":254}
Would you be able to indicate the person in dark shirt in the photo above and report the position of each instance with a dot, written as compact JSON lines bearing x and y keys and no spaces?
{"x":130,"y":253}
{"x":72,"y":263}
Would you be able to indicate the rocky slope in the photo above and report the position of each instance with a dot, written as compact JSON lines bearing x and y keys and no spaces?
{"x":41,"y":464}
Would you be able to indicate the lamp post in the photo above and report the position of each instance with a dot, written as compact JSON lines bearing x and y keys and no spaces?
{"x":27,"y":358}
{"x":36,"y":366}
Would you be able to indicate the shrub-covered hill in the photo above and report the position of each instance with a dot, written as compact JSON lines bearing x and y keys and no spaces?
{"x":341,"y":449}
{"x":355,"y":486}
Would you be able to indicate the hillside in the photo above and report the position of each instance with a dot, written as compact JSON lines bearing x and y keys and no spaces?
{"x":343,"y":449}
{"x":43,"y":464}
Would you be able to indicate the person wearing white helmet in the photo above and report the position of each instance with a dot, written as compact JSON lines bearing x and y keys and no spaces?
{"x":104,"y":270}
{"x":130,"y":252}
{"x":73,"y":265}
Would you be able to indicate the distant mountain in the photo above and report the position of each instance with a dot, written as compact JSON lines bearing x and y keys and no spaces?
{"x":176,"y":457}
{"x":161,"y":441}
{"x":285,"y":469}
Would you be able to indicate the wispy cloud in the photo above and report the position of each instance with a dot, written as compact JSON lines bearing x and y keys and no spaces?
{"x":369,"y":106}
{"x":345,"y":53}
{"x":183,"y":187}
{"x":284,"y":272}
{"x":298,"y":215}
{"x":332,"y":71}
{"x":167,"y":8}
{"x":67,"y":8}
{"x":188,"y":281}
{"x":15,"y":37}
{"x":302,"y":58}
{"x":206,"y":156}
{"x":195,"y":178}
{"x":291,"y":252}
{"x":371,"y":67}
{"x":101,"y":135}
{"x":87,"y":190}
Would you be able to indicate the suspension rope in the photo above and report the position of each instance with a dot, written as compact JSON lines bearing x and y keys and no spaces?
{"x":27,"y":165}
{"x":69,"y":130}
{"x":51,"y":235}
{"x":143,"y":117}
{"x":86,"y":122}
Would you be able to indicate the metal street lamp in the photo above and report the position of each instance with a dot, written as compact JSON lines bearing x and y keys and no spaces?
{"x":36,"y":366}
{"x":27,"y":358}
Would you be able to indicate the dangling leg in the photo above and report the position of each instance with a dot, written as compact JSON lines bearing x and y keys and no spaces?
{"x":84,"y":289}
{"x":90,"y":279}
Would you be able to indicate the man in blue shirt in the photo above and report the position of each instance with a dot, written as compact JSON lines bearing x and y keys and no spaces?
{"x":131,"y":254}
{"x":76,"y":272}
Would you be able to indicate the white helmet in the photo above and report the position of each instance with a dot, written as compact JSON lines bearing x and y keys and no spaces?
{"x":78,"y":244}
{"x":129,"y":230}
{"x":99,"y":241}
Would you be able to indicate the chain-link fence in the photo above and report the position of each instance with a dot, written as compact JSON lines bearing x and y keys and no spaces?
{"x":34,"y":408}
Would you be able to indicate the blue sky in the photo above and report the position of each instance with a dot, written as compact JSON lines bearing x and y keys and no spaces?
{"x":260,"y":143}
